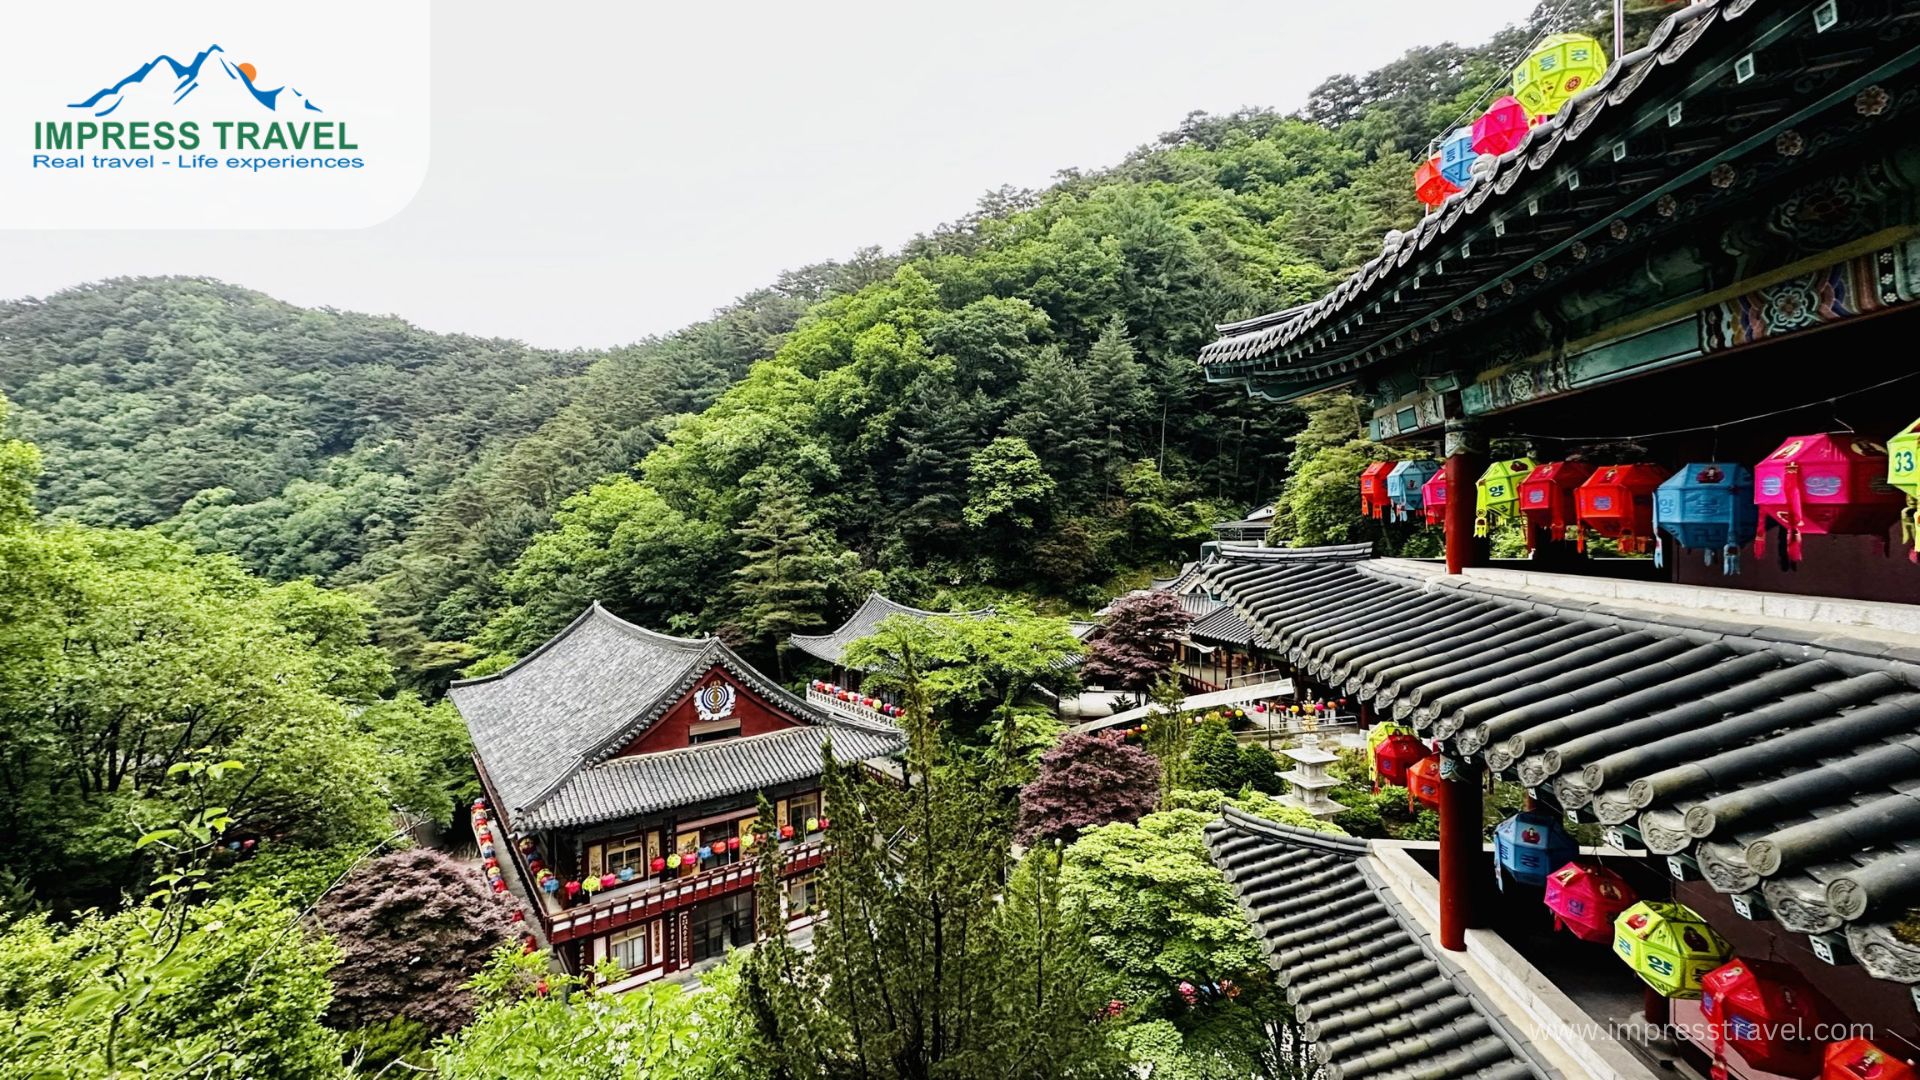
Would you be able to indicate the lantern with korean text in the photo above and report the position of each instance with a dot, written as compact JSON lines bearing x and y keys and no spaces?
{"x":1558,"y":68}
{"x":1373,"y":489}
{"x":1617,"y":502}
{"x":1501,"y":127}
{"x":1423,"y":784}
{"x":1456,"y":156}
{"x":1433,"y":498}
{"x":1431,"y":185}
{"x":1707,"y":505}
{"x":1586,"y":898}
{"x":1765,"y":1012}
{"x":1829,"y":483}
{"x":1546,"y":498}
{"x":1529,"y":845}
{"x":1858,"y":1059}
{"x":1669,"y":946}
{"x":1404,"y":486}
{"x":1496,"y":496}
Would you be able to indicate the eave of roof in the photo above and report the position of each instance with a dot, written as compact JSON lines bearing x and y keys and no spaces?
{"x":1650,"y":721}
{"x":832,"y":646}
{"x":1423,"y":282}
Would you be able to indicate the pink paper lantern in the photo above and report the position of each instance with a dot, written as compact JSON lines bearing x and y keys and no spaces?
{"x":1586,"y":898}
{"x":1501,"y":127}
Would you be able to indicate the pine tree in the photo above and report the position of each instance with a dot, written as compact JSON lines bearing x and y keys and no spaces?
{"x":939,"y":434}
{"x":1120,"y":395}
{"x":782,"y":586}
{"x":1055,"y":412}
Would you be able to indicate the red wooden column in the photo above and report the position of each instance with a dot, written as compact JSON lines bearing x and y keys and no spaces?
{"x":1462,"y":856}
{"x":1466,"y":459}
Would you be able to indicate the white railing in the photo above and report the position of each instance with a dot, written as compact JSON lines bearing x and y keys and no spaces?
{"x":857,"y":710}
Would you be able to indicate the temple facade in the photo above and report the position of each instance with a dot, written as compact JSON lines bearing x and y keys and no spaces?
{"x":624,"y":769}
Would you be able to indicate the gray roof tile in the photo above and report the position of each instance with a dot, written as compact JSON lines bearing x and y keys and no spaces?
{"x":832,"y":646}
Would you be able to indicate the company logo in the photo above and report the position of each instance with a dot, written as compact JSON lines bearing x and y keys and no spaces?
{"x":164,"y":80}
{"x":213,"y":103}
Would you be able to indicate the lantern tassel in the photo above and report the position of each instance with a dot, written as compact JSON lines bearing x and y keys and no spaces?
{"x":1730,"y":559}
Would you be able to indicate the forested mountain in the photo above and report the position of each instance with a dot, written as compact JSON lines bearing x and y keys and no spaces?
{"x":1008,"y":403}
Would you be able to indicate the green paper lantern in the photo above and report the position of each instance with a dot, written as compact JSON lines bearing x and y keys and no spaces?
{"x":1496,"y":495}
{"x":1669,"y":946}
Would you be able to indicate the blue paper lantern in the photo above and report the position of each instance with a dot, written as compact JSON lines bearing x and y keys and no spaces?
{"x":626,"y":873}
{"x":1706,"y":505}
{"x":1530,"y":846}
{"x":1404,"y":484}
{"x":706,"y":852}
{"x":1456,"y":156}
{"x":551,"y":885}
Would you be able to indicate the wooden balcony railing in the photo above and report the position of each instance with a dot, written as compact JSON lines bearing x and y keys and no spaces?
{"x":624,"y":906}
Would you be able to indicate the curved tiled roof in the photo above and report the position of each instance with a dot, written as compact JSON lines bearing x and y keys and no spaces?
{"x":1595,"y":181}
{"x":1374,"y":994}
{"x":832,"y":646}
{"x":541,"y":726}
{"x":1784,"y":760}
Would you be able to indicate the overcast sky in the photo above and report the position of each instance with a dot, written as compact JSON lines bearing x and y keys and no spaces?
{"x":601,"y":172}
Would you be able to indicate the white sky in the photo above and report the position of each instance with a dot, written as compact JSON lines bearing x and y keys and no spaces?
{"x":602,"y":171}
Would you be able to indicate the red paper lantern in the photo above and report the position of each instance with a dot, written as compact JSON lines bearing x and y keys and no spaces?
{"x":608,"y":881}
{"x":1423,"y":784}
{"x":658,"y":864}
{"x":1824,"y":484}
{"x":1430,"y":184}
{"x":1858,"y":1059}
{"x":1501,"y":127}
{"x":1767,"y":1013}
{"x":733,"y":843}
{"x":1586,"y":898}
{"x":1617,"y":501}
{"x":1547,"y":497}
{"x":1433,"y":498}
{"x":1373,"y":489}
{"x":786,"y":832}
{"x":824,"y":824}
{"x":1396,"y":755}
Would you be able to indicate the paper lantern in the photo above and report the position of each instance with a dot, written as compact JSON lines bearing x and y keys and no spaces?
{"x":1405,"y":487}
{"x":825,"y":824}
{"x":1766,"y":1012}
{"x":1456,"y":156}
{"x":1373,"y":489}
{"x":591,"y":884}
{"x":1707,"y":505}
{"x":733,"y":843}
{"x":1829,"y":483}
{"x":1501,"y":127}
{"x":1547,"y":498}
{"x":1903,"y":475}
{"x":1858,"y":1059}
{"x":1557,"y":69}
{"x":658,"y":864}
{"x":813,"y":824}
{"x":1586,"y":899}
{"x":1669,"y":946}
{"x":1376,"y":739}
{"x":1496,"y":494}
{"x":1433,"y":498}
{"x":673,"y":861}
{"x":1617,"y":502}
{"x":1431,"y":185}
{"x":551,"y":885}
{"x":1423,"y":784}
{"x":786,"y":832}
{"x":626,"y":873}
{"x":1529,"y":845}
{"x":747,"y":841}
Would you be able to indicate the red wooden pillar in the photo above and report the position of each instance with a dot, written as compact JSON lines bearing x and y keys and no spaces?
{"x":1466,"y":460}
{"x":1462,"y":857}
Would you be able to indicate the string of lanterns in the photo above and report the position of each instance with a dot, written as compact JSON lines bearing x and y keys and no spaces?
{"x":853,"y":697}
{"x":496,"y":875}
{"x":1830,"y":483}
{"x":1557,"y":68}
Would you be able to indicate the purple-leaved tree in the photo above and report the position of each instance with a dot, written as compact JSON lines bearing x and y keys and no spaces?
{"x":1135,"y":644}
{"x":1087,"y":781}
{"x":413,"y":926}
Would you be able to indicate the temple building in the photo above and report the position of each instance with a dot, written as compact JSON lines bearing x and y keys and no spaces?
{"x":623,"y":770}
{"x":1659,"y":345}
{"x":841,"y":692}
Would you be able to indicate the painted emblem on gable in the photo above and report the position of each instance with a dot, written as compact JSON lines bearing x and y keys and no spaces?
{"x":714,"y":701}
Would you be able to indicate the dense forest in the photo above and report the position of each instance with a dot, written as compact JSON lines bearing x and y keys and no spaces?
{"x":243,"y":546}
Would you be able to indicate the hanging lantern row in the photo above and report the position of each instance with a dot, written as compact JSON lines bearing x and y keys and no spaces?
{"x":489,"y":854}
{"x":841,"y":693}
{"x":1811,"y":485}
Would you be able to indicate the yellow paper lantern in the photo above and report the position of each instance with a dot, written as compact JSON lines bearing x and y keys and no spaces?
{"x":1669,"y":946}
{"x":1556,"y":70}
{"x":1496,"y":495}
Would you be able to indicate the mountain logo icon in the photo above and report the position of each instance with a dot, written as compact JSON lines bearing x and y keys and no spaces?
{"x":164,"y":82}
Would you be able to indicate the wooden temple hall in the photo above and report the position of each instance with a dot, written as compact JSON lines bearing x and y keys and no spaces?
{"x":1655,"y":352}
{"x":624,"y":770}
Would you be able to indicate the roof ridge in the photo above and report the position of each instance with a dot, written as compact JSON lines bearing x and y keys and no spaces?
{"x":1339,"y":843}
{"x":593,"y":611}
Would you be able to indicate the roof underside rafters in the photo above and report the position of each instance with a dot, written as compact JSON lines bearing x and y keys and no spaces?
{"x":1672,"y":133}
